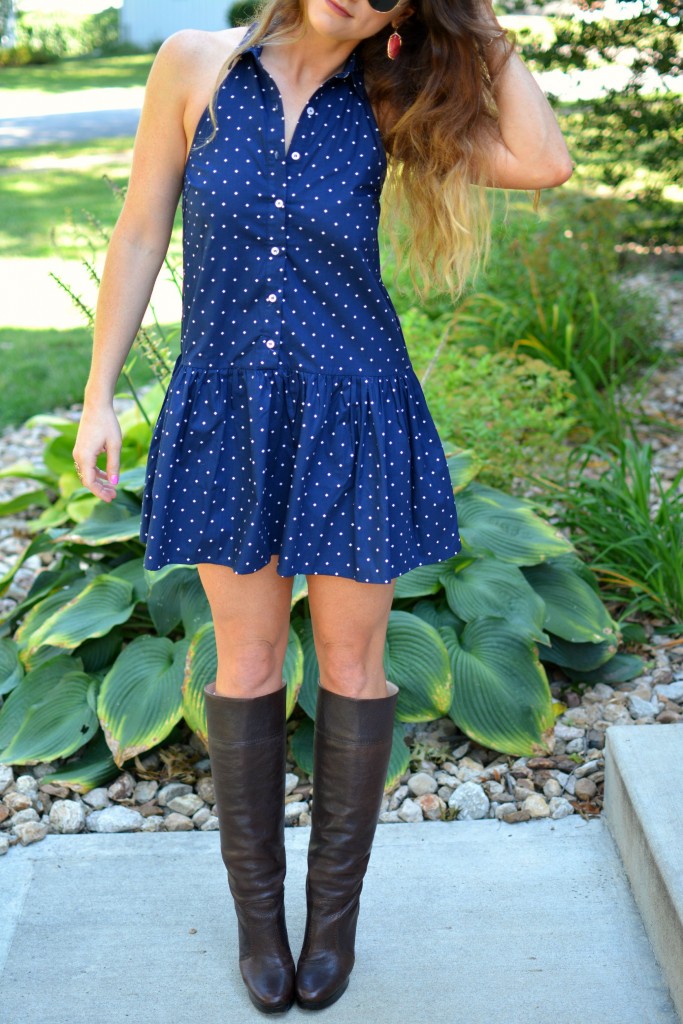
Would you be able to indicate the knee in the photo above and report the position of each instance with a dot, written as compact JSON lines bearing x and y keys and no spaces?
{"x":346,"y":670}
{"x":250,"y":667}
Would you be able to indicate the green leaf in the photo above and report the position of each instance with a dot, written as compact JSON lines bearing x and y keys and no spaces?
{"x":618,"y":669}
{"x":96,"y":767}
{"x":132,"y":571}
{"x":437,"y":614}
{"x":99,"y":533}
{"x":416,"y":660}
{"x":58,"y":451}
{"x":399,"y":759}
{"x":105,"y":602}
{"x":61,"y":723}
{"x":11,"y":668}
{"x":577,"y":657}
{"x":40,"y":543}
{"x":501,"y":696}
{"x":497,"y":524}
{"x":25,"y":470}
{"x":484,"y":586}
{"x":425,"y":579}
{"x":299,"y":588}
{"x":201,"y":667}
{"x":301,"y":745}
{"x":195,"y":610}
{"x":44,"y":609}
{"x":293,"y":669}
{"x":165,"y":589}
{"x":132,"y":479}
{"x":141,"y":698}
{"x":24,"y":500}
{"x":37,"y":684}
{"x":463,"y":466}
{"x":308,"y":691}
{"x":98,"y":653}
{"x":573,"y":610}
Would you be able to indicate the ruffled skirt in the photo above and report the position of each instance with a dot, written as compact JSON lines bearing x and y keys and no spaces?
{"x":342,"y":475}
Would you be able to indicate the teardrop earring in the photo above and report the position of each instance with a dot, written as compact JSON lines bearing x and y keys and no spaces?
{"x":393,"y":45}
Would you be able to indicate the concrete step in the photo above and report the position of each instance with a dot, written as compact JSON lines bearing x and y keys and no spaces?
{"x":643,"y":808}
{"x":462,"y":922}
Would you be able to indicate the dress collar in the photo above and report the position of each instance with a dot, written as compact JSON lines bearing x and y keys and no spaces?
{"x":352,"y":68}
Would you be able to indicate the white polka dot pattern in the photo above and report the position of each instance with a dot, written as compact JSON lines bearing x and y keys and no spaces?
{"x":294,"y":423}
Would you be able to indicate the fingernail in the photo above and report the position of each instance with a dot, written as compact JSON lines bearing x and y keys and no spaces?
{"x":115,"y":478}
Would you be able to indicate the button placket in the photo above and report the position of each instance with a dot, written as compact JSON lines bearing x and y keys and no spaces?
{"x":279,"y":173}
{"x":276,"y":239}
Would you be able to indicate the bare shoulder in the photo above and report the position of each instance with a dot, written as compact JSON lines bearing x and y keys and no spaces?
{"x":190,"y":50}
{"x":194,"y":58}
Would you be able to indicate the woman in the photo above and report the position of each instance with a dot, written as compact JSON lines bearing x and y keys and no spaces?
{"x":294,"y":436}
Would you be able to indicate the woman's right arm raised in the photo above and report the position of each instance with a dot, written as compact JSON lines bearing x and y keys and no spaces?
{"x":136,"y":251}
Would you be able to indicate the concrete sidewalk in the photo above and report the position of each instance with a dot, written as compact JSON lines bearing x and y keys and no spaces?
{"x":467,"y":922}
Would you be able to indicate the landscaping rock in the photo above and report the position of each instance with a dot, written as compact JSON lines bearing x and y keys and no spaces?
{"x":187,"y":804}
{"x":172,"y":790}
{"x":122,"y":788}
{"x":470,"y":801}
{"x":97,"y":798}
{"x":422,"y":783}
{"x":176,"y":822}
{"x":115,"y":819}
{"x":410,"y":810}
{"x":144,"y":791}
{"x":31,"y":832}
{"x":205,"y":789}
{"x":6,"y":777}
{"x":67,"y":816}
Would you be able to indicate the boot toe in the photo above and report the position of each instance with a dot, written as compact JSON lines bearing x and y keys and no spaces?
{"x":270,"y":984}
{"x":320,"y":982}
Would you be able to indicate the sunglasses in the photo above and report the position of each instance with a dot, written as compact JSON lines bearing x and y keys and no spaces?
{"x":384,"y":6}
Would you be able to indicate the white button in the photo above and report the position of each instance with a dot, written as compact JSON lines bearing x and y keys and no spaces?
{"x":275,"y":250}
{"x":270,"y":343}
{"x":272,"y":297}
{"x":279,"y":202}
{"x":295,"y":156}
{"x":310,"y":110}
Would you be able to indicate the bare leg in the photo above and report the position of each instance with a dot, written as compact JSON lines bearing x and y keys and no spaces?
{"x":251,"y":613}
{"x":349,"y":622}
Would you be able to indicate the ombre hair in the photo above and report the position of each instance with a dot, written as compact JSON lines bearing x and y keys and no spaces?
{"x":436,"y":113}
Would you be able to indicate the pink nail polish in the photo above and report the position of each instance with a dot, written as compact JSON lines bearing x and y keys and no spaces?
{"x":115,"y":479}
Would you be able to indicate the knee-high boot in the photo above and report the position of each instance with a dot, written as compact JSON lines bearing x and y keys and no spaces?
{"x":247,"y":739}
{"x":351,"y":750}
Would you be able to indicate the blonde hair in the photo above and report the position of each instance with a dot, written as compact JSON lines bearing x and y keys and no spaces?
{"x":440,"y":95}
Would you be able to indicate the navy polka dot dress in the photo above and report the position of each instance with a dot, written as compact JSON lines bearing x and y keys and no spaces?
{"x":293,"y":423}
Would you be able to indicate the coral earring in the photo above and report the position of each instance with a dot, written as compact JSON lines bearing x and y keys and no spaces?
{"x":393,"y":45}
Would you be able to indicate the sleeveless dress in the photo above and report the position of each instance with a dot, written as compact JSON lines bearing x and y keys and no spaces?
{"x":293,"y":422}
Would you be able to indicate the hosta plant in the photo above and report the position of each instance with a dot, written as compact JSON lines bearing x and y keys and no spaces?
{"x":102,"y":659}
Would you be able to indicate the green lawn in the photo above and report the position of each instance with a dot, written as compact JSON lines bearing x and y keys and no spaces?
{"x":79,"y":73}
{"x":45,"y":192}
{"x":43,"y":369}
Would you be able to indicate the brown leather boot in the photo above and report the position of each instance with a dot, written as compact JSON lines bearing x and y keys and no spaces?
{"x":351,"y":749}
{"x":248,"y":749}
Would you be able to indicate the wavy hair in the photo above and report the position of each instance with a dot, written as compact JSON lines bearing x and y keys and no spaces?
{"x":436,"y":113}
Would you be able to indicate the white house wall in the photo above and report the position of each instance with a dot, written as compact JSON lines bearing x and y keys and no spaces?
{"x":145,"y":22}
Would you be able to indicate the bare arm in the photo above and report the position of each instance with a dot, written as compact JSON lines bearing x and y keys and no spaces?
{"x":136,"y":251}
{"x":533,"y":153}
